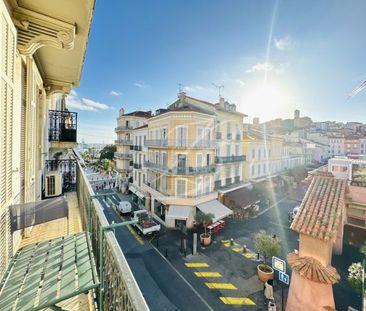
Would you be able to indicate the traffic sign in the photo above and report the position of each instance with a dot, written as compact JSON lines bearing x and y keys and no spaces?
{"x":278,"y":264}
{"x":283,"y":277}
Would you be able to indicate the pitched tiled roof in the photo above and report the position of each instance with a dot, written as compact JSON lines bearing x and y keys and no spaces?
{"x":321,"y":209}
{"x":142,"y":114}
{"x":311,"y":269}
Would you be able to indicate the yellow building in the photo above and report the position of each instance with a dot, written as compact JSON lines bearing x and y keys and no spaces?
{"x":42,"y":53}
{"x":182,"y":160}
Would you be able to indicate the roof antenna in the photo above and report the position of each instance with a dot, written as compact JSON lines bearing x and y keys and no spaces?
{"x":219,"y":87}
{"x":180,"y":87}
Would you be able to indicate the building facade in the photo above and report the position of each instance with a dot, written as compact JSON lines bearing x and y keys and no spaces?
{"x":37,"y":131}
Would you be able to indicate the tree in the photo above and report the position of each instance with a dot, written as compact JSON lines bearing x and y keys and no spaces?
{"x":204,"y":219}
{"x":267,"y":245}
{"x":108,"y":152}
{"x":355,"y":272}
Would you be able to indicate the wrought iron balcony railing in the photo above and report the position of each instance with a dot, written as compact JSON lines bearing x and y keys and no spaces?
{"x":137,"y":165}
{"x":218,"y":135}
{"x":186,"y":196}
{"x":123,"y":142}
{"x":123,"y":128}
{"x":137,"y":147}
{"x":229,"y":135}
{"x":62,"y":126}
{"x":123,"y":156}
{"x":180,"y":143}
{"x":188,"y":170}
{"x":67,"y":168}
{"x":230,"y":159}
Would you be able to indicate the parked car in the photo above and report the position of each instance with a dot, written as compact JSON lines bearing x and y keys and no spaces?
{"x":124,"y":207}
{"x":145,"y":224}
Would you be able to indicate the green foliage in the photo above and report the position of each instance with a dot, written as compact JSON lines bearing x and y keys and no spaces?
{"x":108,"y":152}
{"x":266,"y":245}
{"x":105,"y":164}
{"x":355,"y":277}
{"x":298,"y":172}
{"x":204,"y":219}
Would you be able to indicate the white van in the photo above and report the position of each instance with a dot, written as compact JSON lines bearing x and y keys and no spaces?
{"x":124,"y":207}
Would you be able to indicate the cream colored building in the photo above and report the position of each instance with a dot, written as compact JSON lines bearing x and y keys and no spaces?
{"x":42,"y":53}
{"x":182,"y":159}
{"x":126,"y":123}
{"x":268,"y":155}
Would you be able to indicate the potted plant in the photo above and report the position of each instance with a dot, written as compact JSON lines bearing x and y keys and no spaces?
{"x":267,"y":246}
{"x":204,"y":219}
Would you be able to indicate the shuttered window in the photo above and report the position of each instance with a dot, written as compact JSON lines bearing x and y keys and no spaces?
{"x":7,"y":60}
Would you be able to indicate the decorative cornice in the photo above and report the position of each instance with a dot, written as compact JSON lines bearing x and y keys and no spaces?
{"x":54,"y":86}
{"x":36,"y":30}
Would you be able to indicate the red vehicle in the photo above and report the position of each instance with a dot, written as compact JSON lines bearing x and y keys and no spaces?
{"x":215,"y":227}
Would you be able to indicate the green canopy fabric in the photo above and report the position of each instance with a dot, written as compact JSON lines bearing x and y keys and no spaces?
{"x":43,"y":274}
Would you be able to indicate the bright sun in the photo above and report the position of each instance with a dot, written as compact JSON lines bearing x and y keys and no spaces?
{"x":268,"y":101}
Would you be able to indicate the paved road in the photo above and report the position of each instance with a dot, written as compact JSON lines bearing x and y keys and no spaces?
{"x":160,"y":284}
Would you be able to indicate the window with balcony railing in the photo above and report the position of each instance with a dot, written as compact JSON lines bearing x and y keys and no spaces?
{"x":180,"y":143}
{"x":229,"y":159}
{"x":62,"y":126}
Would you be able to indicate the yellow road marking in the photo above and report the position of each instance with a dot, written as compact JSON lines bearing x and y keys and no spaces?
{"x":208,"y":274}
{"x":237,"y":249}
{"x":249,"y":255}
{"x":225,"y":241}
{"x":129,"y":227}
{"x":237,"y":301}
{"x":221,"y":285}
{"x":227,"y":244}
{"x":196,"y":265}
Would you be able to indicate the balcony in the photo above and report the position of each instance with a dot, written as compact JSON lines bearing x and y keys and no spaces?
{"x":189,"y":170}
{"x":62,"y":127}
{"x":123,"y":156}
{"x":125,"y":142}
{"x":218,"y":135}
{"x":123,"y":128}
{"x":187,"y":199}
{"x":67,"y":169}
{"x":185,"y":143}
{"x":137,"y":166}
{"x":229,"y":159}
{"x":137,"y":148}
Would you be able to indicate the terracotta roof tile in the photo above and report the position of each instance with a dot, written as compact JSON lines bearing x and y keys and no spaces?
{"x":311,"y":269}
{"x":321,"y":209}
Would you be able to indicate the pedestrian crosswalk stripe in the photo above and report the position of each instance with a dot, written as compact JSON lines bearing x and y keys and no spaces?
{"x":196,"y":265}
{"x":237,"y":301}
{"x":225,"y":241}
{"x":221,"y":286}
{"x":249,"y":255}
{"x":208,"y":274}
{"x":227,"y":244}
{"x":237,"y":249}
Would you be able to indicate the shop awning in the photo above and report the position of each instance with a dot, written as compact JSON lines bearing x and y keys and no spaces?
{"x":215,"y":207}
{"x":50,"y":272}
{"x":179,"y":211}
{"x":140,"y":194}
{"x":132,"y":188}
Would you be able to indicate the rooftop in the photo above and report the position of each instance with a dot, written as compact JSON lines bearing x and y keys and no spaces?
{"x":141,"y":114}
{"x":321,"y":209}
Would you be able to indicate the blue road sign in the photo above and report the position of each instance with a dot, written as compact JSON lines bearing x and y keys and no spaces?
{"x":283,"y":277}
{"x":279,"y":264}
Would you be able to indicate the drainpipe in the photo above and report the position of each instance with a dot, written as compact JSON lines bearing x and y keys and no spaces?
{"x":102,"y":229}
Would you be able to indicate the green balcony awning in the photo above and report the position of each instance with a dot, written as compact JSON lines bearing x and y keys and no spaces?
{"x":46,"y":273}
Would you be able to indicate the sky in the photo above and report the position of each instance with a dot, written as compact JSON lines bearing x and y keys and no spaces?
{"x":271,"y":56}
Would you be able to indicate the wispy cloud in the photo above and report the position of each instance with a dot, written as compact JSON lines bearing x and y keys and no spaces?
{"x":284,"y":43}
{"x":266,"y":66}
{"x":74,"y":102}
{"x":193,"y":88}
{"x":115,"y":93}
{"x":141,"y":84}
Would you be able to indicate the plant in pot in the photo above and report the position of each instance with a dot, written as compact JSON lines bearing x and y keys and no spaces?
{"x":204,"y":219}
{"x":267,"y":246}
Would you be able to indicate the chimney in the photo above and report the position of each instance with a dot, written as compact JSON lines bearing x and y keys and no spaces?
{"x":181,"y":96}
{"x":121,"y":112}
